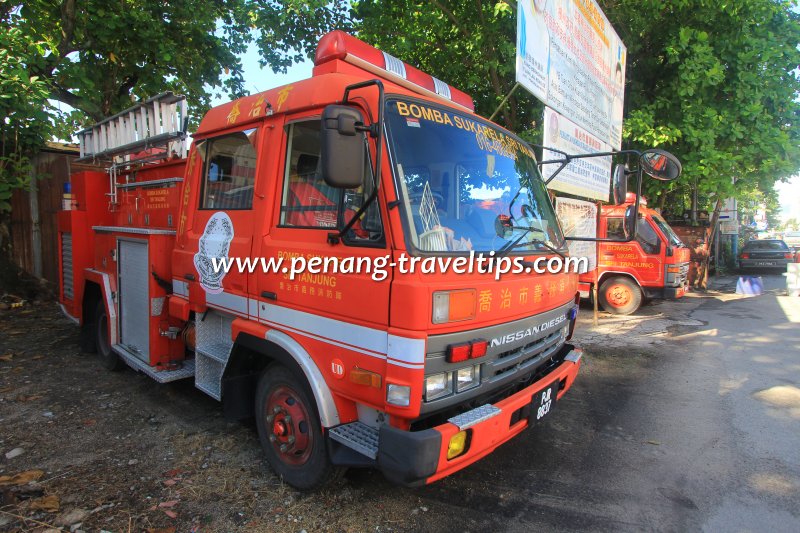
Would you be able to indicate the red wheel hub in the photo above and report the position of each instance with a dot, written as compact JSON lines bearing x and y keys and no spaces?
{"x":288,"y":420}
{"x":279,"y":428}
{"x":619,"y":295}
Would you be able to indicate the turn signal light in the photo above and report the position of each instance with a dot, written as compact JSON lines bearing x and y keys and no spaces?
{"x":745,"y":256}
{"x":457,"y":445}
{"x":788,"y":255}
{"x":359,"y":376}
{"x":673,"y":269}
{"x":457,"y":353}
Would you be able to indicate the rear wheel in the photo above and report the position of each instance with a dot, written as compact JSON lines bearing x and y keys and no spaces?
{"x":88,"y":338}
{"x":109,"y":359}
{"x":290,"y":431}
{"x":620,"y":296}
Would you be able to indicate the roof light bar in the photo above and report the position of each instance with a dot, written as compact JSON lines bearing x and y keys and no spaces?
{"x":340,"y":45}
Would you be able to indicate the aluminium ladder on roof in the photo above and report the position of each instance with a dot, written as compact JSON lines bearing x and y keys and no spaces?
{"x":158,"y":123}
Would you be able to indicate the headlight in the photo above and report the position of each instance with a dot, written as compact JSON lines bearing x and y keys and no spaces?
{"x":468,"y":377}
{"x":398,"y":395}
{"x":438,"y":386}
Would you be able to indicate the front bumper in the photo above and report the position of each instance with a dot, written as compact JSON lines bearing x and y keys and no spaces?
{"x":665,"y":293}
{"x":420,"y":457}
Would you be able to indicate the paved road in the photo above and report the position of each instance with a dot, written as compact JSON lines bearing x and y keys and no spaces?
{"x":696,"y":425}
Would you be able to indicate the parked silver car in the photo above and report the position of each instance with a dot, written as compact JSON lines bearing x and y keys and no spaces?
{"x":766,"y":253}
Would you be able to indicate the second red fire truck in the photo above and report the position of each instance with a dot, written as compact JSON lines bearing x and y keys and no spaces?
{"x":653,"y":265}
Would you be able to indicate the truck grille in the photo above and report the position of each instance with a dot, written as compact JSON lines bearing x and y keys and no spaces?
{"x":517,"y":350}
{"x":494,"y":393}
{"x":676,"y":279}
{"x":524,"y":359}
{"x":684,"y":273}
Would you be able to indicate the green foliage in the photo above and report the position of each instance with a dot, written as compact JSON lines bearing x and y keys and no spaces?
{"x":791,"y":224}
{"x":288,"y":30}
{"x":716,"y":84}
{"x":713,"y":82}
{"x":98,"y":56}
{"x":470,"y":45}
{"x":23,"y":117}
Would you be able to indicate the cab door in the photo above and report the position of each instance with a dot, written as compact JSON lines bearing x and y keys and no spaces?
{"x":641,"y":258}
{"x":220,"y":227}
{"x":345,"y":309}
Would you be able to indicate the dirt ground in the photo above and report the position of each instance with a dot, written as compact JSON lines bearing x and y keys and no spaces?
{"x":84,"y":449}
{"x":119,"y":452}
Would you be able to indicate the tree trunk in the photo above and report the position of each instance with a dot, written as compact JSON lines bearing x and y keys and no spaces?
{"x":712,"y":235}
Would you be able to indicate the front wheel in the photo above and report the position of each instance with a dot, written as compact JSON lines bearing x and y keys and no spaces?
{"x":290,"y":431}
{"x":620,"y":296}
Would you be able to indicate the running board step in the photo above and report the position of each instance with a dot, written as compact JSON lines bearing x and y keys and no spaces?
{"x":162,"y":376}
{"x":358,"y":436}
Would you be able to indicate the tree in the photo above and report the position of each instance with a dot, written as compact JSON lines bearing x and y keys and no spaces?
{"x":22,"y":115}
{"x":98,"y":56}
{"x":715,"y":83}
{"x":791,"y":224}
{"x":470,"y":45}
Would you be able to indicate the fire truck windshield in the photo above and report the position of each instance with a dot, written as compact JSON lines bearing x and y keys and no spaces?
{"x":665,"y":228}
{"x":456,"y":174}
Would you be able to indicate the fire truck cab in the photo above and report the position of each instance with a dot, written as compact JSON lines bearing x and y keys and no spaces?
{"x":653,"y":265}
{"x":417,"y":373}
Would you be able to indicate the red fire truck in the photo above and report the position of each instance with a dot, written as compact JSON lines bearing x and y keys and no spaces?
{"x":418,"y":374}
{"x":653,"y":265}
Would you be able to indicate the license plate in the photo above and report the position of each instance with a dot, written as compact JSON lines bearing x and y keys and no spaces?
{"x":765,"y":263}
{"x":543,"y":402}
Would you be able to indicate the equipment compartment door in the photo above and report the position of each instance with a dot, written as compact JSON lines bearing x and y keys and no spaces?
{"x":134,"y":309}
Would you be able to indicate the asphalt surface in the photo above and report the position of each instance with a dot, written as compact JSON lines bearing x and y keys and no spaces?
{"x":692,"y":423}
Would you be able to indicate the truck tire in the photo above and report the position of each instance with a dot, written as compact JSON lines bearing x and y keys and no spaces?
{"x":290,"y":431}
{"x":620,"y":296}
{"x":87,"y":338}
{"x":108,"y":358}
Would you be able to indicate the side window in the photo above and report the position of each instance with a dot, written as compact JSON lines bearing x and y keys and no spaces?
{"x":647,"y":237}
{"x":229,"y":170}
{"x":309,"y":202}
{"x":615,"y":229}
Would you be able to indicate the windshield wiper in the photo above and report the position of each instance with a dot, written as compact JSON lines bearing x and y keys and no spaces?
{"x":503,"y":251}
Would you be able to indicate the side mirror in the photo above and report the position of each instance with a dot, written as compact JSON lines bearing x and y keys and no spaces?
{"x":660,"y":164}
{"x":629,"y":223}
{"x":342,"y":150}
{"x":619,"y":185}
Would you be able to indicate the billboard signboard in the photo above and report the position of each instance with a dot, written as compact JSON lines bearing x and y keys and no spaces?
{"x":570,"y":58}
{"x":587,"y":178}
{"x":579,"y":218}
